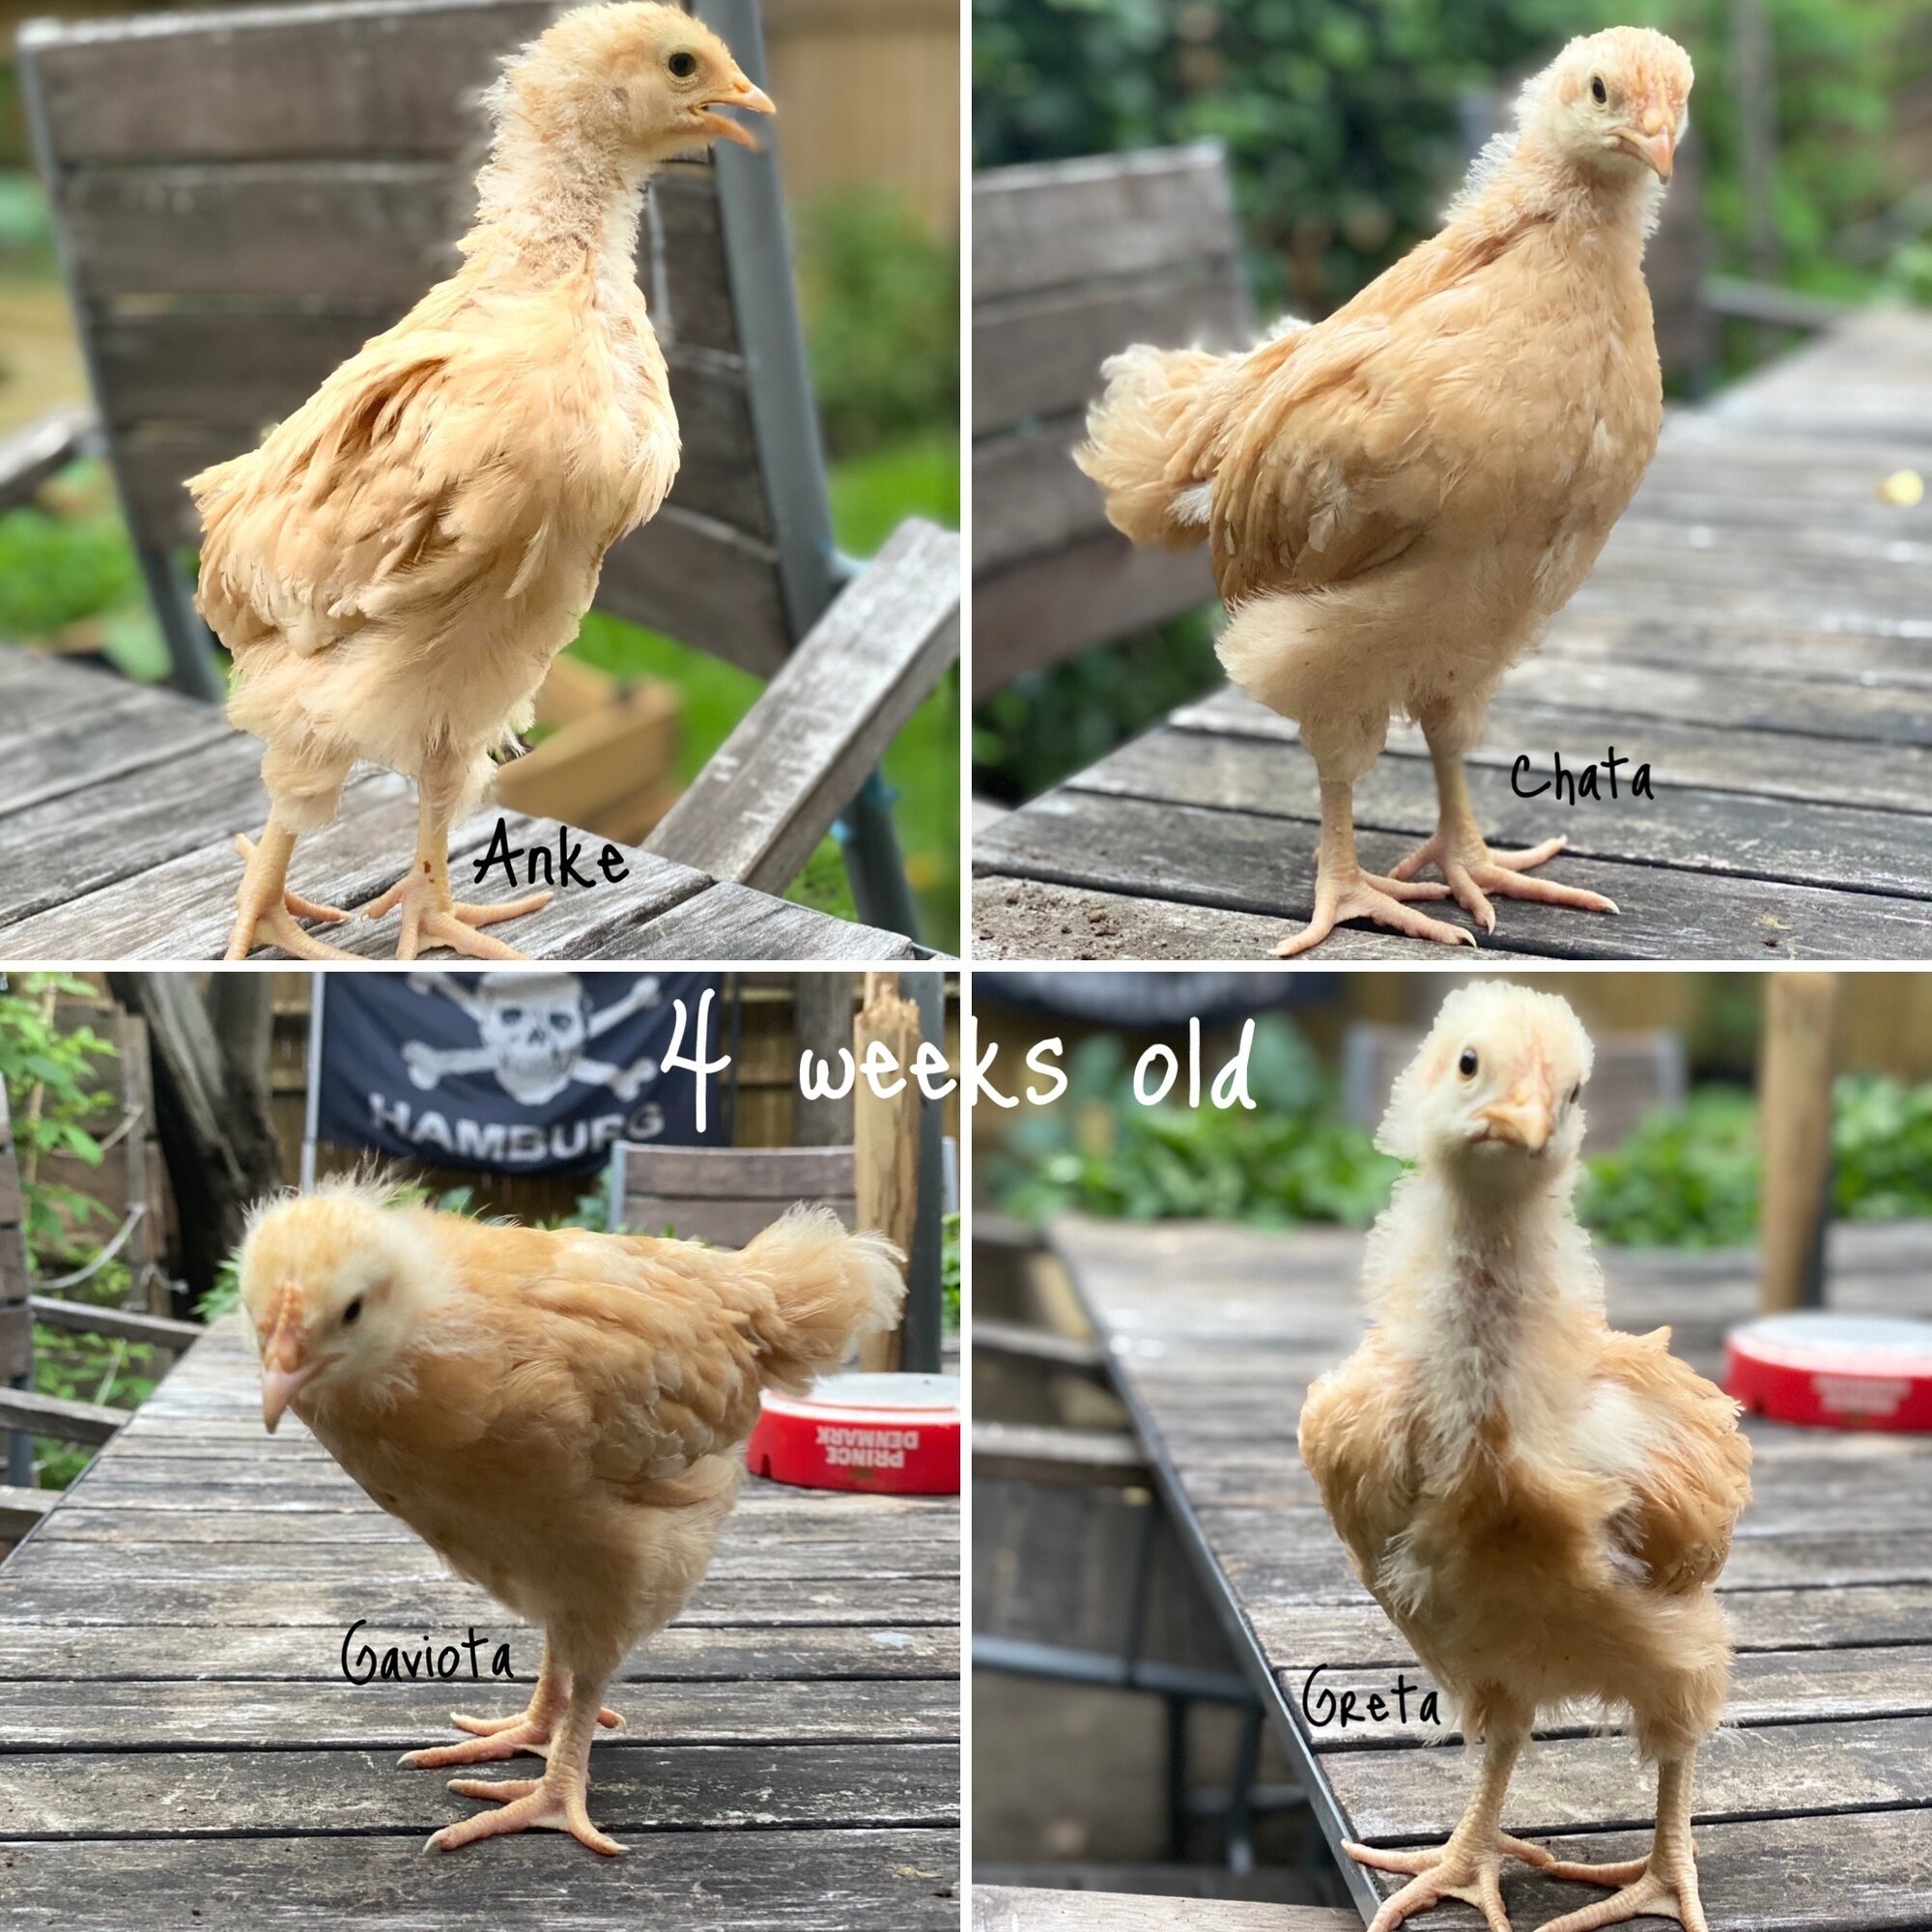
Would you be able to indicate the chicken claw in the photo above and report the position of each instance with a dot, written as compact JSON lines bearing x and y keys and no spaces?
{"x":1473,"y":871}
{"x":556,"y":1802}
{"x":1446,"y":1871}
{"x":432,"y":917}
{"x":1367,"y":896}
{"x":1670,"y":1892}
{"x":266,"y":910}
{"x":494,"y":1738}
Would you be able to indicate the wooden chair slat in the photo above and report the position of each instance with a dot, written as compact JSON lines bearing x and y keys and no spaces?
{"x":223,"y":375}
{"x":779,"y":1174}
{"x":373,"y":79}
{"x":1054,"y":607}
{"x":1041,"y":356}
{"x":1056,"y":223}
{"x":1029,"y":498}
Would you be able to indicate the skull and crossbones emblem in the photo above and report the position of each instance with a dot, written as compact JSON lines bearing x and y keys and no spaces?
{"x":532,"y":1030}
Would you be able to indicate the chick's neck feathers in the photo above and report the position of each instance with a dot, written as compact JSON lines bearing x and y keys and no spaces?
{"x":550,"y":200}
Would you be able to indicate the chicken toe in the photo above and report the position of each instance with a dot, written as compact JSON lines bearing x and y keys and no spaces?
{"x":266,"y":912}
{"x":1658,"y":1891}
{"x":1474,"y":874}
{"x":1443,"y":1871}
{"x":432,"y":917}
{"x":556,"y":1802}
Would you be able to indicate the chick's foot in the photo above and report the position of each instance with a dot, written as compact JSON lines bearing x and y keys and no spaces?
{"x":1360,"y":894}
{"x":266,"y":912}
{"x":431,"y":917}
{"x":556,"y":1802}
{"x":1473,"y":873}
{"x":1652,"y":1887}
{"x":1448,"y":1871}
{"x":494,"y":1738}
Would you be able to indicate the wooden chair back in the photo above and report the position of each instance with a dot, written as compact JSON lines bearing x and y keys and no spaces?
{"x":1071,"y":262}
{"x":1635,"y":1073}
{"x":725,"y":1195}
{"x":243,"y":197}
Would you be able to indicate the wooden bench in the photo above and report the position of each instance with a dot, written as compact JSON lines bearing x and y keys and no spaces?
{"x":243,"y":197}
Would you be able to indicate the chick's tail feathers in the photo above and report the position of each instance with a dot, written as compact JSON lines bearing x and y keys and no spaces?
{"x":825,"y":1289}
{"x":1135,"y":435}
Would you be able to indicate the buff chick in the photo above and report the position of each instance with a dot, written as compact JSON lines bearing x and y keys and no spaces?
{"x":395,"y":567}
{"x":1398,"y":498}
{"x":558,"y":1415}
{"x":1540,"y":1503}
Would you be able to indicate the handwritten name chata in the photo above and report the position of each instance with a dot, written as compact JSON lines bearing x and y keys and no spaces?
{"x":1572,"y":785}
{"x":364,"y":1663}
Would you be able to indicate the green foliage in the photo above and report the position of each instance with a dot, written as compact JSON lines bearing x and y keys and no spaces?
{"x":1101,"y":1152}
{"x":26,"y":225}
{"x":881,"y":302}
{"x":1050,"y":723}
{"x":949,"y":1275}
{"x":35,"y":1056}
{"x":1348,"y":120}
{"x":1688,"y":1178}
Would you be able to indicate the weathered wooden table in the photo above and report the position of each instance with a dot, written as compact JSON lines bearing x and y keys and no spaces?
{"x":1757,"y":632}
{"x":179,"y":1746}
{"x":119,"y":805}
{"x":1813,"y":1808}
{"x":1015,"y":1908}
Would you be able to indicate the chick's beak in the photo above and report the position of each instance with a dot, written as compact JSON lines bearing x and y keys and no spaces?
{"x":743,"y":94}
{"x":286,"y":1367}
{"x":1657,"y":144}
{"x":1525,"y":1119}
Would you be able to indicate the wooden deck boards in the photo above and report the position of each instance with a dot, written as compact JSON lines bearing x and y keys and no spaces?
{"x":178,"y":1745}
{"x":1755,"y":631}
{"x":119,"y":805}
{"x":1825,"y":1767}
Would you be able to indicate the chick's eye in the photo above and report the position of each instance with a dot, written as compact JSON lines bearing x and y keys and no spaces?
{"x":353,"y":1313}
{"x":682,"y":64}
{"x":1466,"y":1065}
{"x":1598,"y":93}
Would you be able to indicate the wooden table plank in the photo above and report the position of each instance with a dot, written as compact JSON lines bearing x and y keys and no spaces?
{"x":119,"y":805}
{"x":758,"y":1881}
{"x":1828,"y":1586}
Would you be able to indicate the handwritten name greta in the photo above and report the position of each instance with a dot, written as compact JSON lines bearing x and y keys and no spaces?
{"x":1323,"y":1706}
{"x":1570,"y":786}
{"x":363,"y":1664}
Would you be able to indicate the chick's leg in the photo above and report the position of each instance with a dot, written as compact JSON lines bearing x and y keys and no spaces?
{"x":1344,"y":891}
{"x":266,"y":910}
{"x":1458,"y":851}
{"x":557,"y":1801}
{"x":1662,"y":1885}
{"x":531,"y":1731}
{"x":431,"y":915}
{"x":1469,"y":1867}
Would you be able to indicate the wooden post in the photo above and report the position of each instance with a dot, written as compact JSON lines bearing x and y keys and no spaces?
{"x":821,"y":1024}
{"x":16,"y":1329}
{"x":884,"y":1139}
{"x":1794,"y":1132}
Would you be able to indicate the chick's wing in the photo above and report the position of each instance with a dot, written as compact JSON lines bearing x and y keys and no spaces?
{"x":438,"y":461}
{"x":1356,"y":1442}
{"x":1695,"y":1476}
{"x":1333,"y":448}
{"x":620,"y":1361}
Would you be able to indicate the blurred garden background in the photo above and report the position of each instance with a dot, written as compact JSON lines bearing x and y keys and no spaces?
{"x":874,"y":198}
{"x":1673,"y":1157}
{"x":1349,"y":123}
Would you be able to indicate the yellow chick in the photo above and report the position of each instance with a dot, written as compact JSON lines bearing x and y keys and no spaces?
{"x":398,"y":564}
{"x":1397,"y":500}
{"x":1540,"y":1503}
{"x":558,"y":1415}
